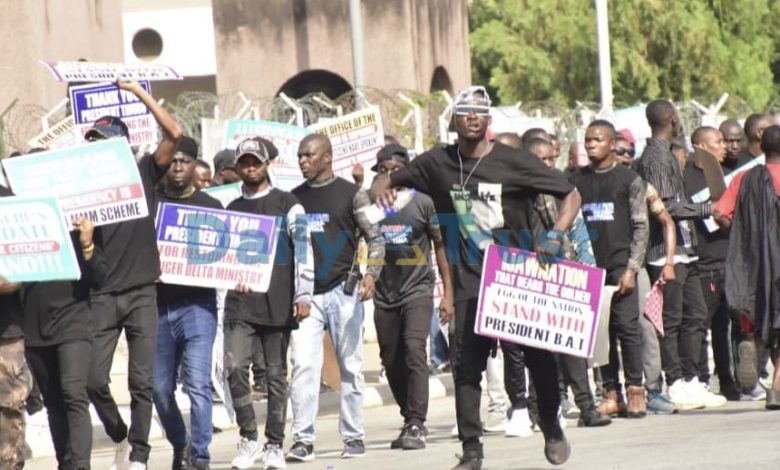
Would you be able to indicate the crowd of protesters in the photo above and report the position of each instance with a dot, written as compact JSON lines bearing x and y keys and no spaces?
{"x":635,"y":217}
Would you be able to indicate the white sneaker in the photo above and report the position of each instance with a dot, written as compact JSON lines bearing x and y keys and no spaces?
{"x":758,"y":394}
{"x":703,"y":394}
{"x":272,"y":457}
{"x":248,"y":452}
{"x":562,"y":420}
{"x":137,"y":466}
{"x":682,"y":397}
{"x":121,"y":456}
{"x":519,"y":424}
{"x":496,"y":421}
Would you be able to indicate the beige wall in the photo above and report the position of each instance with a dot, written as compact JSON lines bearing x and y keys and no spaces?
{"x":52,"y":30}
{"x":260,"y":45}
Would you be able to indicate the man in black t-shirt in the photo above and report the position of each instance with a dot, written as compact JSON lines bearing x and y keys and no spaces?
{"x":186,"y":327}
{"x":712,"y":248}
{"x":333,"y":209}
{"x":404,"y":300}
{"x":15,"y":378}
{"x":128,"y":300}
{"x":266,"y":318}
{"x":485,"y":193}
{"x":615,"y":209}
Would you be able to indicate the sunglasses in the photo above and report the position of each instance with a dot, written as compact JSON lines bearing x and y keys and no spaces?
{"x":624,"y":151}
{"x":465,"y":110}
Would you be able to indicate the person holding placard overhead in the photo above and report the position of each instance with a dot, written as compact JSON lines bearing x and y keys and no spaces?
{"x":128,"y":299}
{"x":485,"y":192}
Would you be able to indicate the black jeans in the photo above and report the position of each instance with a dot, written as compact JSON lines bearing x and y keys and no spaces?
{"x":514,"y":375}
{"x":575,"y":375}
{"x":239,"y":338}
{"x":135,"y":311}
{"x":402,"y":333}
{"x":469,"y":353}
{"x":719,"y":321}
{"x":623,"y":325}
{"x":684,"y":317}
{"x":61,"y":372}
{"x":258,"y":362}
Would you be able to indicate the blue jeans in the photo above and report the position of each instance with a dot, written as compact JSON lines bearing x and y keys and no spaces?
{"x":439,"y":350}
{"x":342,"y":316}
{"x":185,"y":335}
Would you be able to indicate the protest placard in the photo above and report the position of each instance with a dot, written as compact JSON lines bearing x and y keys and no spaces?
{"x":215,"y":248}
{"x":63,"y":134}
{"x":35,"y":243}
{"x":356,"y":138}
{"x":98,"y":180}
{"x":285,"y":176}
{"x":225,"y":194}
{"x":285,"y":137}
{"x":90,"y":102}
{"x":553,"y":307}
{"x":76,"y":71}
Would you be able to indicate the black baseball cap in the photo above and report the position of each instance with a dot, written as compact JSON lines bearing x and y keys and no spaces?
{"x":259,"y":147}
{"x":224,"y":160}
{"x":395,"y":152}
{"x":188,"y":146}
{"x":107,"y":127}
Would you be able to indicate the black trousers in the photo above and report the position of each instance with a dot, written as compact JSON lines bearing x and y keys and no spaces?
{"x":575,"y":375}
{"x":719,"y":321}
{"x":61,"y":372}
{"x":469,"y":353}
{"x":135,"y":312}
{"x":239,"y":338}
{"x":402,"y":333}
{"x":623,"y":326}
{"x":514,"y":375}
{"x":685,"y":317}
{"x":258,"y":362}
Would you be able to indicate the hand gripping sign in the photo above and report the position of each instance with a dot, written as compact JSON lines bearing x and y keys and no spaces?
{"x":553,"y":307}
{"x":215,"y":248}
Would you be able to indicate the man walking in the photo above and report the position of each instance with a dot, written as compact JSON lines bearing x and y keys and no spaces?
{"x":332,"y":207}
{"x":491,"y":189}
{"x":186,"y":327}
{"x":266,"y":317}
{"x":128,"y":300}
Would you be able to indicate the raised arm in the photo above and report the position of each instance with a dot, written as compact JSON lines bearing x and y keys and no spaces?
{"x":172,"y":130}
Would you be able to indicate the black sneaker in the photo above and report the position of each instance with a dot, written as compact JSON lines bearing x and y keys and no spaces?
{"x":353,"y":449}
{"x":415,"y":438}
{"x":300,"y":452}
{"x":398,"y":442}
{"x":181,"y":458}
{"x":592,"y":418}
{"x":468,"y":462}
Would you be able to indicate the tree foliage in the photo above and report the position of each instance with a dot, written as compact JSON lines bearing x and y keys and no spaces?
{"x":533,"y":50}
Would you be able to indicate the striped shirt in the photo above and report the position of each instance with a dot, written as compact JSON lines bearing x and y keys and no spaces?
{"x":660,"y":168}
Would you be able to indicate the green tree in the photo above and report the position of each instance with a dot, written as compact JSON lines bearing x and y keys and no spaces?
{"x":546,"y":49}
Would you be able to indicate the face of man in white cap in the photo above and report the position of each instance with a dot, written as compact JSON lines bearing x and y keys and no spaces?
{"x":471,"y":113}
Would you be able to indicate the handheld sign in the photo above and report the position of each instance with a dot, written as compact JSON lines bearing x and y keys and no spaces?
{"x":225,"y":194}
{"x":65,"y":71}
{"x":713,"y":173}
{"x":63,"y":134}
{"x":90,"y":102}
{"x":215,"y":248}
{"x":35,"y":244}
{"x":285,"y":137}
{"x":99,"y":180}
{"x":554,"y":307}
{"x":356,"y":138}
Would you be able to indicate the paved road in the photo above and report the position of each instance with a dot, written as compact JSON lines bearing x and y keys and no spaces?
{"x":737,"y":436}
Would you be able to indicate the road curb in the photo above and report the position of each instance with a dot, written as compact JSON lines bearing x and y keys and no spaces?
{"x":375,"y":395}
